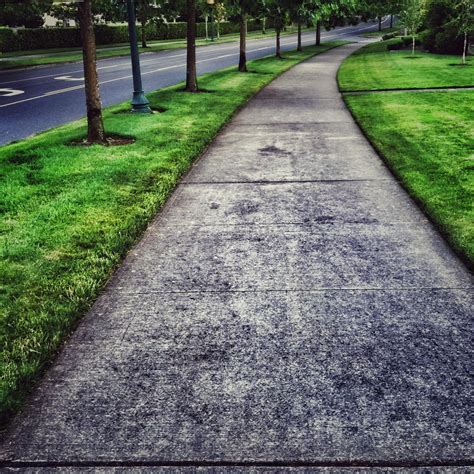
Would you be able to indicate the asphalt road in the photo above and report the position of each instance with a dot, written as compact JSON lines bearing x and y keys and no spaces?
{"x":35,"y":99}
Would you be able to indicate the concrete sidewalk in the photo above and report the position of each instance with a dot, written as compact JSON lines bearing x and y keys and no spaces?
{"x":291,"y":306}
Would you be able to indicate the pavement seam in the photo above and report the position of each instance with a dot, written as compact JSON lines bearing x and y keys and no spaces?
{"x":292,"y":181}
{"x":250,"y":464}
{"x":295,"y":290}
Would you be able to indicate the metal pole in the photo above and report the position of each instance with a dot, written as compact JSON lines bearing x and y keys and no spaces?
{"x":139,"y":102}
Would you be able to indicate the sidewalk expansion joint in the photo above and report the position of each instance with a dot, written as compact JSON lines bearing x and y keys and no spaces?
{"x":291,"y":290}
{"x":312,"y":224}
{"x":242,"y":464}
{"x":290,"y":181}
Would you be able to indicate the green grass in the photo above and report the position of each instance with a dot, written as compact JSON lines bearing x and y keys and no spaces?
{"x":69,"y":213}
{"x":427,"y":138}
{"x":67,"y":55}
{"x":376,"y":68}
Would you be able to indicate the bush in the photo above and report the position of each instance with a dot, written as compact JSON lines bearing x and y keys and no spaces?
{"x":389,"y":36}
{"x":44,"y":38}
{"x":7,"y":39}
{"x":440,"y":35}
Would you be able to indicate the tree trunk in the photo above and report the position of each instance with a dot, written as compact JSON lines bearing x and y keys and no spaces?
{"x":318,"y":33}
{"x":95,"y":123}
{"x":391,"y":21}
{"x":464,"y":50}
{"x":144,"y":21}
{"x":264,"y":26}
{"x":380,"y":23}
{"x":191,"y":74}
{"x":278,"y":43}
{"x":300,"y":43}
{"x":243,"y":43}
{"x":413,"y":46}
{"x":207,"y":27}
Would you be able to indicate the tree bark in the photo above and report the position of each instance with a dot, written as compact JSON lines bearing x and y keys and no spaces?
{"x":391,"y":21}
{"x":191,"y":74}
{"x":243,"y":43}
{"x":144,"y":21}
{"x":264,"y":27}
{"x":95,"y":123}
{"x":464,"y":50}
{"x":380,"y":23}
{"x":300,"y":43}
{"x":318,"y":33}
{"x":278,"y":43}
{"x":413,"y":46}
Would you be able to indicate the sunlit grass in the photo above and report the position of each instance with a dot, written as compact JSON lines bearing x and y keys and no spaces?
{"x":427,"y":138}
{"x":69,"y":213}
{"x":376,"y":68}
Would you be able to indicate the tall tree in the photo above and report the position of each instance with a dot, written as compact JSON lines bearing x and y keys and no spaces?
{"x":243,"y":8}
{"x":412,"y":15}
{"x":464,"y":22}
{"x":278,"y":11}
{"x":191,"y":70}
{"x":376,"y":9}
{"x":95,"y":123}
{"x":301,"y":12}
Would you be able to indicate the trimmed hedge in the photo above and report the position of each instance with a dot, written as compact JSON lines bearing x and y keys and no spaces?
{"x":45,"y":38}
{"x":7,"y":39}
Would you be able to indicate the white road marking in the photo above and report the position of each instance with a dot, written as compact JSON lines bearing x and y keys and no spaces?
{"x":68,"y":78}
{"x":69,"y":89}
{"x":209,"y":49}
{"x":10,"y":92}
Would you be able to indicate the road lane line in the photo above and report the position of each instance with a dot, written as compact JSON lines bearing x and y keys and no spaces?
{"x":70,"y":89}
{"x":215,"y":49}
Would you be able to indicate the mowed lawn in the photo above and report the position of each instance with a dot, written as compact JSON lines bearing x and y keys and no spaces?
{"x":427,"y":138}
{"x":69,"y":213}
{"x":376,"y":68}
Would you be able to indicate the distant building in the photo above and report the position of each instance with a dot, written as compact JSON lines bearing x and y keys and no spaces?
{"x":50,"y":21}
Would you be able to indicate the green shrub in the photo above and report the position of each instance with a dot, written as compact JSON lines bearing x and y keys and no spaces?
{"x":7,"y":40}
{"x":440,"y":35}
{"x":389,"y":36}
{"x":44,"y":38}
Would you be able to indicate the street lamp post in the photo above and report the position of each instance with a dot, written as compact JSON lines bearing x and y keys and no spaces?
{"x":139,"y":101}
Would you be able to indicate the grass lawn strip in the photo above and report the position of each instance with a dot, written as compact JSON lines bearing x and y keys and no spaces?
{"x":426,"y":139}
{"x":70,"y":213}
{"x":375,"y":68}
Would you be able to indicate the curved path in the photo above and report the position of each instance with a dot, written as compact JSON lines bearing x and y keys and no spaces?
{"x":290,"y":306}
{"x":35,"y":99}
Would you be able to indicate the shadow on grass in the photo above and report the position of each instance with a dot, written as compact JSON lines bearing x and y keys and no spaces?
{"x":110,"y":140}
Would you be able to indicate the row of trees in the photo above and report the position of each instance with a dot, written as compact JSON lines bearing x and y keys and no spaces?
{"x":280,"y":12}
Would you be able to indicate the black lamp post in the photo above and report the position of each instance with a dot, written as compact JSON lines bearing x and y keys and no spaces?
{"x":139,"y":102}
